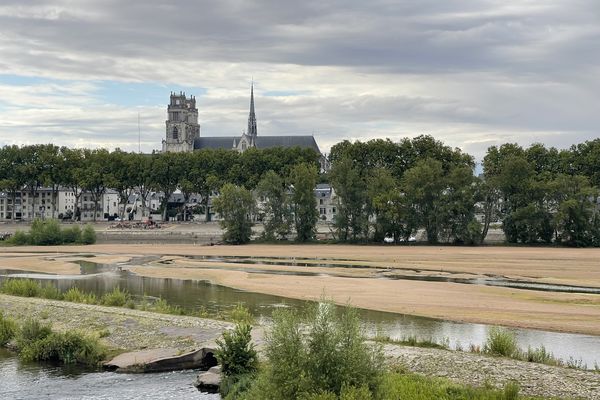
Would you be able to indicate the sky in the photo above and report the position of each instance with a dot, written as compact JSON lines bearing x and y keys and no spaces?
{"x":471,"y":73}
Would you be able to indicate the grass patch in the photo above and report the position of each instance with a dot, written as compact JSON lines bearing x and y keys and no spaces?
{"x":115,"y":298}
{"x":501,"y":342}
{"x":414,"y":341}
{"x":8,"y":328}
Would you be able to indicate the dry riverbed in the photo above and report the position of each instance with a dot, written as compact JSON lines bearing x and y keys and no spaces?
{"x":553,"y":311}
{"x":135,"y":330}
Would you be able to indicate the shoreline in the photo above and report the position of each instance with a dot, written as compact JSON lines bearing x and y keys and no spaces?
{"x":474,"y":369}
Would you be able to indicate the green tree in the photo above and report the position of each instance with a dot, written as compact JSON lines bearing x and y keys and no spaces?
{"x":235,"y":351}
{"x":235,"y":204}
{"x":165,"y":170}
{"x":351,"y":190}
{"x":423,"y":186}
{"x":277,"y":208}
{"x":11,"y":179}
{"x":96,"y":176}
{"x":304,"y":178}
{"x":122,"y":168}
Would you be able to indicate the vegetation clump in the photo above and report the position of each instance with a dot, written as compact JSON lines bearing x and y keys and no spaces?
{"x":8,"y":328}
{"x":501,"y":342}
{"x":37,"y":342}
{"x":49,"y":233}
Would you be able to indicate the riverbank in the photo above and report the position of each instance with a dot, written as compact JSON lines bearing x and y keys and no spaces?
{"x":121,"y":329}
{"x":135,"y":330}
{"x":273,"y":269}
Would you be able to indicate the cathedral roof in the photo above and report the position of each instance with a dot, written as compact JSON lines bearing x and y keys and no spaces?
{"x":262,"y":142}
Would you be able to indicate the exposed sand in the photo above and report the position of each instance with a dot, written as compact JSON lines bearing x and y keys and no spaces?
{"x":511,"y":307}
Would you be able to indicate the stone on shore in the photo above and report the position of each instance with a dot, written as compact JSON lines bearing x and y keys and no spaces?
{"x":209,"y":381}
{"x":159,"y":360}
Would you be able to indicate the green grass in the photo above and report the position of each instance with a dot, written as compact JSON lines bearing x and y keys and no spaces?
{"x":501,"y":342}
{"x":115,"y":298}
{"x":8,"y":328}
{"x":413,"y":341}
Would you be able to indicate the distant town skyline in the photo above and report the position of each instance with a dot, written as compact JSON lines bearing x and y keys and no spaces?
{"x":472,"y":74}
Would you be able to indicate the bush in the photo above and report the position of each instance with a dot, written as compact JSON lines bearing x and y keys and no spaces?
{"x":8,"y":328}
{"x":116,"y":298}
{"x":162,"y":306}
{"x":236,"y":353}
{"x":66,"y":348}
{"x":30,"y":288}
{"x":88,"y":236}
{"x":72,"y":234}
{"x":327,"y":355}
{"x":30,"y":332}
{"x":20,"y":238}
{"x":48,"y":232}
{"x":45,"y":232}
{"x":501,"y":342}
{"x":21,"y":287}
{"x":77,"y":296}
{"x":241,"y":314}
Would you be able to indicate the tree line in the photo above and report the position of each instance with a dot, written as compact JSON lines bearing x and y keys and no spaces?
{"x":537,"y":194}
{"x":384,"y":189}
{"x":29,"y":168}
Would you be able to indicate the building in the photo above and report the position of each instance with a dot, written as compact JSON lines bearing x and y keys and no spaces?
{"x":326,"y":202}
{"x":28,"y":207}
{"x":183,"y":132}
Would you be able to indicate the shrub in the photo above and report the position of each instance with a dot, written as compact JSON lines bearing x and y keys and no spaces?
{"x":45,"y":232}
{"x":329,"y":354}
{"x":241,"y":314}
{"x":540,"y":355}
{"x":30,"y":332}
{"x":30,"y":288}
{"x":20,"y":238}
{"x":88,"y":236}
{"x":49,"y":291}
{"x":8,"y":328}
{"x":21,"y":287}
{"x":116,"y":298}
{"x":501,"y":342}
{"x":236,"y":353}
{"x":72,"y":234}
{"x":162,"y":306}
{"x":66,"y":348}
{"x":77,"y":296}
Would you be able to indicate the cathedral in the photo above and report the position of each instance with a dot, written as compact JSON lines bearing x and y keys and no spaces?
{"x":183,"y":132}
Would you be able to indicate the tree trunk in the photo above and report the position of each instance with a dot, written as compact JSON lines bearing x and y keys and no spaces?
{"x":14,"y":199}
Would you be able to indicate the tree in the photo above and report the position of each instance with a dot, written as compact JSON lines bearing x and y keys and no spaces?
{"x":122,"y":168}
{"x":74,"y":173}
{"x":351,"y":191}
{"x":423,"y":185}
{"x":96,"y":176}
{"x":31,"y":169}
{"x":165,"y":170}
{"x":304,"y":178}
{"x":277,"y":208}
{"x":235,"y":204}
{"x":10,"y":177}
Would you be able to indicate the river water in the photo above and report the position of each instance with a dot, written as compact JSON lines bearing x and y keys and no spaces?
{"x":34,"y":381}
{"x":58,"y":382}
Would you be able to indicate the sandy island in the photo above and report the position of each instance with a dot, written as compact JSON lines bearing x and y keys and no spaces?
{"x":566,"y":312}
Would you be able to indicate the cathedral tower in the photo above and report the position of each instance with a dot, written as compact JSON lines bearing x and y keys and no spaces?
{"x":182,"y":126}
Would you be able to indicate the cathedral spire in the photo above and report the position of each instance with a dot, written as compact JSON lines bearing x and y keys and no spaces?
{"x":252,"y":131}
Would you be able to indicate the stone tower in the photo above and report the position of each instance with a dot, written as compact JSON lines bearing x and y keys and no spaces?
{"x":182,"y":126}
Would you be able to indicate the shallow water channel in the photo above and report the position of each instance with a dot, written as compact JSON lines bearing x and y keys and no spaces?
{"x":193,"y":294}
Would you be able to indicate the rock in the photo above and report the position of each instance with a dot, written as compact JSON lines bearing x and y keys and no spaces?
{"x":157,"y":360}
{"x":209,"y":381}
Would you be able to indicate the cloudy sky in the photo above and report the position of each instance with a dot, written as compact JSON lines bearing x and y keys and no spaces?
{"x":472,"y":73}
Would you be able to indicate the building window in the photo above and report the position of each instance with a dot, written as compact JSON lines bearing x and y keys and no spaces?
{"x":321,"y":201}
{"x":175,"y":133}
{"x":322,"y":211}
{"x":333,"y":210}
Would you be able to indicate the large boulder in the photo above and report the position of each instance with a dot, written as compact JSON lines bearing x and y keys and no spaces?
{"x":158,"y":360}
{"x":209,"y":381}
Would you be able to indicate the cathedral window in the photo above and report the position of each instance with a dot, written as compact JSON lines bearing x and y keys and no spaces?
{"x":175,"y":133}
